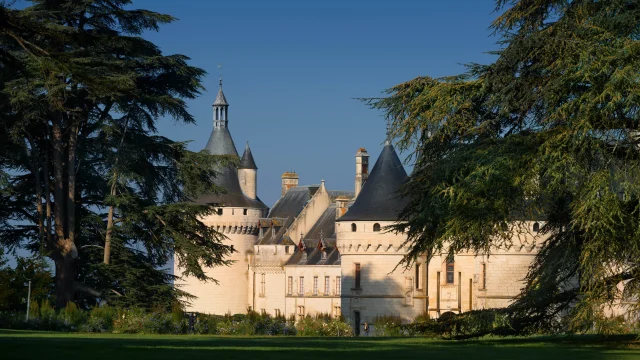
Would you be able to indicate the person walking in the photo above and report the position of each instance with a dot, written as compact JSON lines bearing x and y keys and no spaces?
{"x":366,"y":328}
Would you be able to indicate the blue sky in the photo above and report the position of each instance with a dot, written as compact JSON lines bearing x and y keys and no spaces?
{"x":291,"y":71}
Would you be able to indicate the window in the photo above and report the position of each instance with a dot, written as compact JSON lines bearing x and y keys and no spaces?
{"x":536,"y":227}
{"x":315,"y":286}
{"x":290,"y":285}
{"x":277,"y":312}
{"x":484,"y":276}
{"x":244,"y":211}
{"x":286,"y":249}
{"x":376,"y":227}
{"x":262,"y":285}
{"x":450,"y":270}
{"x":338,"y":285}
{"x":301,"y":310}
{"x":220,"y":211}
{"x":354,"y":228}
{"x":417,"y":277}
{"x":357,"y":276}
{"x":301,"y":290}
{"x":263,"y":311}
{"x":336,"y":311}
{"x":326,"y":285}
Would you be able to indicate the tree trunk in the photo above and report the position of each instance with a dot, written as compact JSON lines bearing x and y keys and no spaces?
{"x":35,"y":169}
{"x":107,"y":238}
{"x":47,"y":194}
{"x":64,"y":251}
{"x":71,"y":179}
{"x":65,"y":276}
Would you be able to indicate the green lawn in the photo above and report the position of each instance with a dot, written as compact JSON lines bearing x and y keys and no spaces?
{"x":40,"y":345}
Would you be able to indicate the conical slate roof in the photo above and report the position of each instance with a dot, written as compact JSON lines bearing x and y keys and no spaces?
{"x":221,"y":143}
{"x":379,"y":198}
{"x":247,"y":161}
{"x":220,"y":99}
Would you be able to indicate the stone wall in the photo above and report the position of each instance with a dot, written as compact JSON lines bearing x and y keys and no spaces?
{"x":231,"y":293}
{"x":308,"y":302}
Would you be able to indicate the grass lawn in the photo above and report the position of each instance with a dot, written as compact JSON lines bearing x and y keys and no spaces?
{"x":42,"y":345}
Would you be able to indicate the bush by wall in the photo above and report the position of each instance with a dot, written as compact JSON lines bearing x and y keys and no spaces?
{"x":323,"y":325}
{"x":106,"y":319}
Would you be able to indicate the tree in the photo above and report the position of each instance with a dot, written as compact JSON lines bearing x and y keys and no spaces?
{"x":15,"y":282}
{"x":547,"y":131}
{"x":86,"y":176}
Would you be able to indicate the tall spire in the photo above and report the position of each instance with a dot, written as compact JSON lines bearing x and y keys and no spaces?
{"x":387,"y":141}
{"x":220,"y":108}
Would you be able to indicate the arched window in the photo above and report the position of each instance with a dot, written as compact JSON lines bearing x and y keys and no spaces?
{"x":354,"y":228}
{"x":536,"y":227}
{"x":376,"y":227}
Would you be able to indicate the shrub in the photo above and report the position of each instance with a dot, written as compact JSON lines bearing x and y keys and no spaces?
{"x":71,"y":317}
{"x":100,"y":319}
{"x":323,"y":326}
{"x":388,"y":325}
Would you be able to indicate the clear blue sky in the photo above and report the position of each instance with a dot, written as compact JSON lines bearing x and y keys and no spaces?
{"x":292,"y":69}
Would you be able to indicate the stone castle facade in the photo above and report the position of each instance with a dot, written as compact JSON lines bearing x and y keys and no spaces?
{"x":327,"y":251}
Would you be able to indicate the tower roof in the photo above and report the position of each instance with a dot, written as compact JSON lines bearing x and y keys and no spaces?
{"x":221,"y":143}
{"x":247,"y":161}
{"x":379,"y":198}
{"x":220,"y":99}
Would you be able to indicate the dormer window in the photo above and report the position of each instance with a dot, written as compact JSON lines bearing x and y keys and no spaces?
{"x":220,"y":211}
{"x":354,"y":227}
{"x":376,"y":227}
{"x":286,"y":249}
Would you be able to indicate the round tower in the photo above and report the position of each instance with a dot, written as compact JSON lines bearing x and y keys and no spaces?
{"x":237,"y":217}
{"x":248,"y":174}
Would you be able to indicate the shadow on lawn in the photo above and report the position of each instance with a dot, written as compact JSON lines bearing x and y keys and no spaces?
{"x":36,"y":345}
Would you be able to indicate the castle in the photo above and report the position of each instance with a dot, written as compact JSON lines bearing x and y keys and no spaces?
{"x":327,"y":251}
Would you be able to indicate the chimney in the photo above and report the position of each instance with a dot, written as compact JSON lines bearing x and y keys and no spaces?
{"x":289,"y":180}
{"x":341,"y":206}
{"x":362,"y":169}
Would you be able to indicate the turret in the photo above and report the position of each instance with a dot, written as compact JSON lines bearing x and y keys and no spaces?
{"x":248,"y":174}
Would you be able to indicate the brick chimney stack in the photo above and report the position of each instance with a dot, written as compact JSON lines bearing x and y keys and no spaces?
{"x":341,"y":206}
{"x":289,"y":180}
{"x":362,"y":169}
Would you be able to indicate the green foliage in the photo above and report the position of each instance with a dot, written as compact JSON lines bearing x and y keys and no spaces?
{"x":81,"y":94}
{"x":323,"y":325}
{"x":547,"y":132}
{"x":15,"y":287}
{"x":100,"y":320}
{"x":387,"y":325}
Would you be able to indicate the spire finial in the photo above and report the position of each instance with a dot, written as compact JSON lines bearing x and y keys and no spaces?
{"x":388,"y":139}
{"x":220,"y":70}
